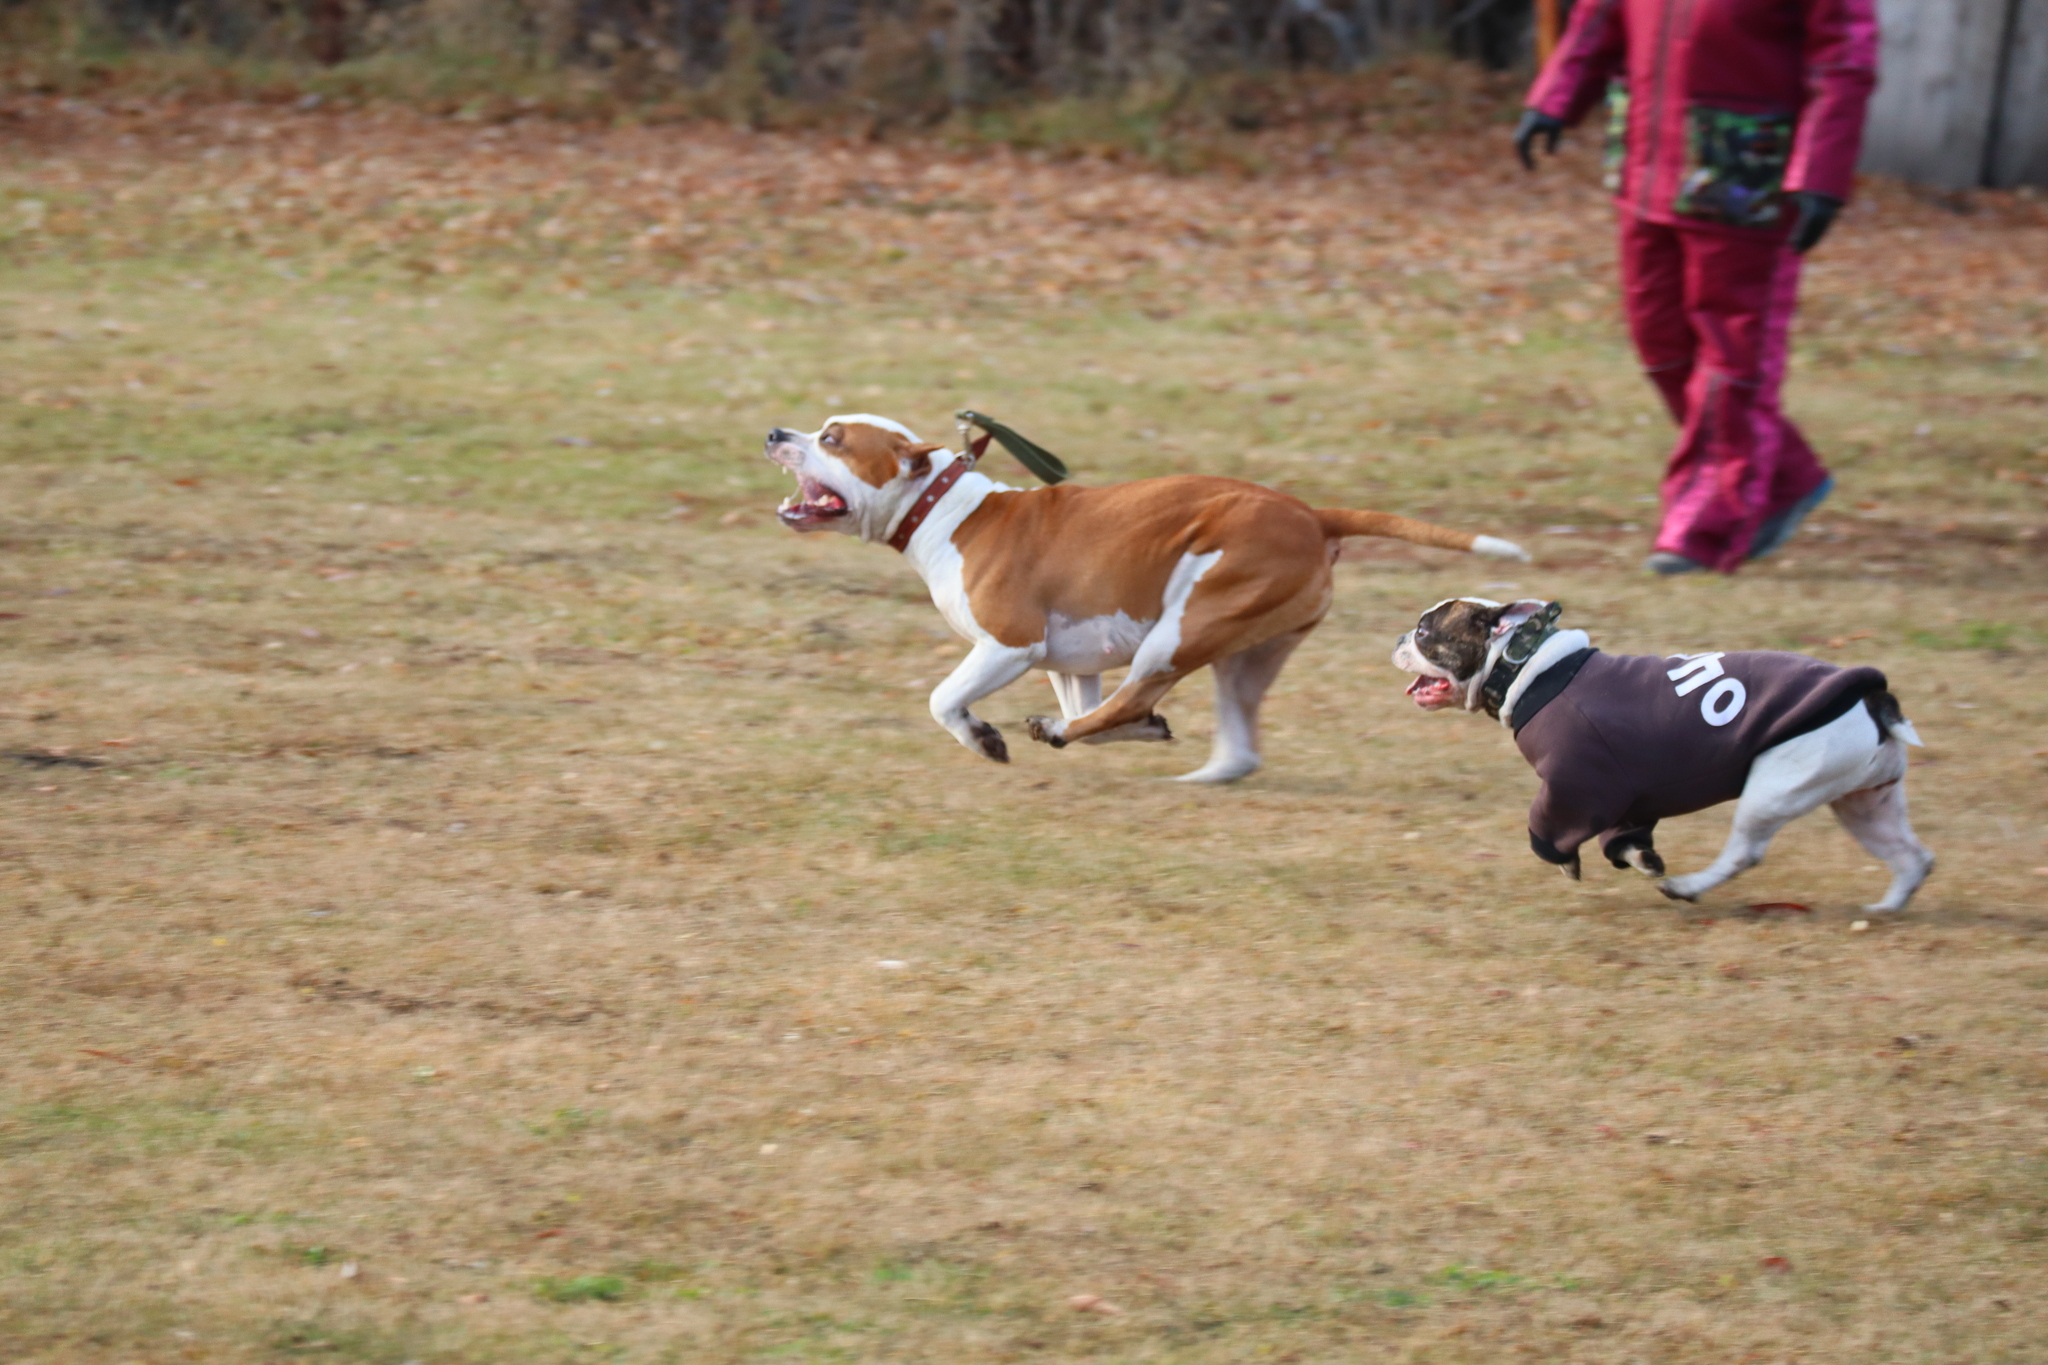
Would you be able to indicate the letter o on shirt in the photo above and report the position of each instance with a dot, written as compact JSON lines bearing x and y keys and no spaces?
{"x":1723,"y":701}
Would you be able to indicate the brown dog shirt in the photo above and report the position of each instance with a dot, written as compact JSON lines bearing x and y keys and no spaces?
{"x":1623,"y":741}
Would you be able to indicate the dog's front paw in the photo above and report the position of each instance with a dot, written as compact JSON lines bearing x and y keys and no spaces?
{"x":1570,"y":869}
{"x":1046,"y":730}
{"x":1675,"y":889}
{"x":1646,"y":860}
{"x":989,"y":741}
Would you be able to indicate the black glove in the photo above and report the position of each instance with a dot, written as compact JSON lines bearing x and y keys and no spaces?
{"x":1533,"y":126}
{"x":1816,"y":215}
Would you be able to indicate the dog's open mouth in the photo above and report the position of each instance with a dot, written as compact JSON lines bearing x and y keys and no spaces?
{"x":810,"y":505}
{"x":1432,"y":694}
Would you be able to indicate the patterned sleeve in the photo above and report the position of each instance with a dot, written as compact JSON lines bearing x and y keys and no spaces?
{"x":1591,"y":52}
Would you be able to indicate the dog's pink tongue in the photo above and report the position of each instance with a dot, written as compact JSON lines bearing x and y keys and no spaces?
{"x":1416,"y":686}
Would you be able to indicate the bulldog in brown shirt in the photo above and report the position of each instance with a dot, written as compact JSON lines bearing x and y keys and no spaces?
{"x":1623,"y":741}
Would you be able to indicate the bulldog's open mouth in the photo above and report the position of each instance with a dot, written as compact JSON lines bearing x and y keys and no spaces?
{"x":1432,"y":694}
{"x":810,"y":505}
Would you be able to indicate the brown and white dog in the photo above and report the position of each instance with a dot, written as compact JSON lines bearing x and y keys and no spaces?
{"x":1162,"y":576}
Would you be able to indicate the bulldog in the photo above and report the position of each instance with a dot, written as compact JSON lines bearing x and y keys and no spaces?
{"x":1161,"y":576}
{"x":1623,"y":741}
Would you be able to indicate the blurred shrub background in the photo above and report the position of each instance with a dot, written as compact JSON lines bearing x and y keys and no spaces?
{"x":892,"y":62}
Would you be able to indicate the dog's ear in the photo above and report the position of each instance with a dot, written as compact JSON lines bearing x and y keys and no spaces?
{"x":917,"y":459}
{"x":1514,"y":613}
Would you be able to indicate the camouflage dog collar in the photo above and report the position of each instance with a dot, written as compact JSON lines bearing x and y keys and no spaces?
{"x":1521,"y":647}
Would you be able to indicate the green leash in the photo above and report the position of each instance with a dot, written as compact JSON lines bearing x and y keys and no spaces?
{"x":1028,"y":452}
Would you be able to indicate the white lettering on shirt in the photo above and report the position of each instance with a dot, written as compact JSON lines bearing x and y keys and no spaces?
{"x":1724,"y":700}
{"x":1703,"y":667}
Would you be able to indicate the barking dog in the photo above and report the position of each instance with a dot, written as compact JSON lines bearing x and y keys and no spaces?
{"x":1162,"y":576}
{"x":1622,"y":742}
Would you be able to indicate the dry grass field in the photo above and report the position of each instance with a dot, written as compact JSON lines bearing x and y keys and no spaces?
{"x":476,"y":890}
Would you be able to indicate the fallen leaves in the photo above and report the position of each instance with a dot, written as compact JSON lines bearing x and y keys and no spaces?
{"x":724,"y":207}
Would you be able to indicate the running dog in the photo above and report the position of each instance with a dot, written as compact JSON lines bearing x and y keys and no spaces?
{"x":1162,"y":576}
{"x":1623,"y":741}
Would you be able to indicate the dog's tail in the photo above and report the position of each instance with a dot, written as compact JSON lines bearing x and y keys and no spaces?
{"x":1884,"y":709}
{"x":1339,"y":522}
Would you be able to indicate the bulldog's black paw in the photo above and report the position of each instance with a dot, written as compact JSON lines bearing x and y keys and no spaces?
{"x":1045,"y":730}
{"x":1634,"y":850}
{"x":1570,"y":869}
{"x":990,"y":741}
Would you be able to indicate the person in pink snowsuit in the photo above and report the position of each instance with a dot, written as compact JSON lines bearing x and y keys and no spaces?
{"x":1739,"y":123}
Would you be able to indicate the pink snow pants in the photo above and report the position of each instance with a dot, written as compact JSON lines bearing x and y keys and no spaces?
{"x":1710,"y":312}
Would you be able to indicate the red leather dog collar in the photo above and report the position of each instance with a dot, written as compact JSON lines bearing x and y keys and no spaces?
{"x":926,"y":501}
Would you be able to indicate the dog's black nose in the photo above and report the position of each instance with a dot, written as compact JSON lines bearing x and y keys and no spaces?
{"x":776,"y":436}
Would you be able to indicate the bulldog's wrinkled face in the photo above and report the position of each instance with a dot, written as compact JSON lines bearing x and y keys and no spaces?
{"x":852,"y":474}
{"x":1447,"y":650}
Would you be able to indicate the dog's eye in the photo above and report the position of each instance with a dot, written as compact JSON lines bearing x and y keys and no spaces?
{"x":1422,"y":632}
{"x":832,"y":437}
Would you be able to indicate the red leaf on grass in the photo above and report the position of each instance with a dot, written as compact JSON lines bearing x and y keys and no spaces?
{"x":1776,"y":1265}
{"x":1778,"y":907}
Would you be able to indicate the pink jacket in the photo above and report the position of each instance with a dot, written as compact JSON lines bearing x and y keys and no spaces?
{"x":1814,"y":61}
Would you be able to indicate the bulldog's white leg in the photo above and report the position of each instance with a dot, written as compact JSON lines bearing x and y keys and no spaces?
{"x":1876,"y":816}
{"x":988,"y":667}
{"x":1786,"y":782}
{"x":1079,"y":693}
{"x":1241,"y":683}
{"x":1756,"y":824}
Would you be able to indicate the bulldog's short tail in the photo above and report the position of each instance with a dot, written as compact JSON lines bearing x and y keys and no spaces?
{"x":1884,"y":709}
{"x":1339,"y":522}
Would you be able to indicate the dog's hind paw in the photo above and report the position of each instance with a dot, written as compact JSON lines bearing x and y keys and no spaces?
{"x":1046,"y":730}
{"x":990,"y":741}
{"x":1670,"y":887}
